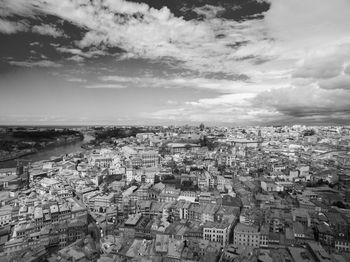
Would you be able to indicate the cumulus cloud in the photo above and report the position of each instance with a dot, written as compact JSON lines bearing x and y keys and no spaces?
{"x":145,"y":32}
{"x":47,"y":30}
{"x":325,"y":63}
{"x":303,"y":101}
{"x":295,"y":60}
{"x":311,"y":39}
{"x":76,"y":58}
{"x":8,"y":27}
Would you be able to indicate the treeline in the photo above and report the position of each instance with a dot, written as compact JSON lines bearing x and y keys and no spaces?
{"x":119,"y":132}
{"x":9,"y":145}
{"x":48,"y":134}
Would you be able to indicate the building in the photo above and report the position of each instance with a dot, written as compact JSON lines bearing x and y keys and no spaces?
{"x":205,"y":181}
{"x":176,"y":148}
{"x":5,"y":215}
{"x":218,"y":232}
{"x":169,"y":194}
{"x":149,"y":158}
{"x":270,"y":186}
{"x":203,"y":212}
{"x":245,"y":235}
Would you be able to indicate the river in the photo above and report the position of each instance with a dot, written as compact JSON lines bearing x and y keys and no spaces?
{"x":51,"y":151}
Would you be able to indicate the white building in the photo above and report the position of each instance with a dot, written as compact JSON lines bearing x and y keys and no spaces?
{"x":218,"y":232}
{"x":270,"y":186}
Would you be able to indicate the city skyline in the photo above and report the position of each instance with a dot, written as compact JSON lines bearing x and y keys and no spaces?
{"x":160,"y":63}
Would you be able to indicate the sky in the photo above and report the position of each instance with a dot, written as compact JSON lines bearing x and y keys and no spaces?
{"x":157,"y":62}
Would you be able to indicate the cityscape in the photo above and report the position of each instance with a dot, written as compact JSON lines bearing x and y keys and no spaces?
{"x":162,"y":130}
{"x":186,"y":193}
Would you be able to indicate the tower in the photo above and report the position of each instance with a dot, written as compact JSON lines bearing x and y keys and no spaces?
{"x":260,"y":139}
{"x":22,"y":172}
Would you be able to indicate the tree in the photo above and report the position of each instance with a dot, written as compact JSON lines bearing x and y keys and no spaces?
{"x":168,"y":177}
{"x":309,"y":132}
{"x":203,"y":141}
{"x":163,"y":150}
{"x":339,"y":204}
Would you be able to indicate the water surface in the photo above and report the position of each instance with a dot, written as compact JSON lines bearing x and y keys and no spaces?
{"x":52,"y":151}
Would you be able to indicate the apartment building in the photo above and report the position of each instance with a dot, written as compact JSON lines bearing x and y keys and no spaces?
{"x":245,"y":235}
{"x":219,"y":231}
{"x":149,"y":158}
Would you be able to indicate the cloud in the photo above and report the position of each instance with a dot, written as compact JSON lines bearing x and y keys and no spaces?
{"x":304,"y":101}
{"x":238,"y":100}
{"x":73,"y":51}
{"x":78,"y":55}
{"x":312,"y":37}
{"x":76,"y":79}
{"x":339,"y":82}
{"x":105,"y":86}
{"x":308,"y":24}
{"x":34,"y":44}
{"x":76,"y":58}
{"x":19,"y":7}
{"x":230,"y":108}
{"x":149,"y":33}
{"x":8,"y":27}
{"x":326,"y":63}
{"x":42,"y":63}
{"x":200,"y":83}
{"x":292,"y":62}
{"x":172,"y":102}
{"x":209,"y":11}
{"x":48,"y":30}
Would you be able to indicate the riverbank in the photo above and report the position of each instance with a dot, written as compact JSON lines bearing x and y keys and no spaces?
{"x":49,"y":152}
{"x":19,"y":154}
{"x":44,"y":145}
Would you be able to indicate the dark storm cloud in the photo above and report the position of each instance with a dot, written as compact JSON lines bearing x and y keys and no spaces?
{"x":305,"y":101}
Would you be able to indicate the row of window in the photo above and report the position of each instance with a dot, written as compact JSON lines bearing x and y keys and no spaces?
{"x":213,"y":231}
